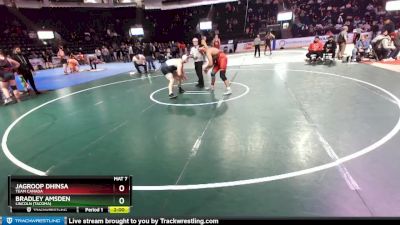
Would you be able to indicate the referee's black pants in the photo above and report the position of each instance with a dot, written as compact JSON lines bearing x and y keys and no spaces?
{"x":198,"y":66}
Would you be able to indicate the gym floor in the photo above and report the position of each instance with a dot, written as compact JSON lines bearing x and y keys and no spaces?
{"x":293,"y":139}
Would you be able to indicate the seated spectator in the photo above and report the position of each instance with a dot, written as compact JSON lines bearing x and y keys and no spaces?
{"x":330,"y":46}
{"x":315,"y":48}
{"x":168,"y":54}
{"x":383,"y":45}
{"x":361,"y":48}
{"x":396,"y":40}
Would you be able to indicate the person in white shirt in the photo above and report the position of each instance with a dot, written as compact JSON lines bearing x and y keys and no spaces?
{"x":130,"y":52}
{"x":173,"y":70}
{"x":198,"y":62}
{"x":139,"y":61}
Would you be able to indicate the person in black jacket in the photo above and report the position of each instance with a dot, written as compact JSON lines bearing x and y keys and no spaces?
{"x":388,"y":25}
{"x":25,"y":69}
{"x":148,"y":52}
{"x":330,"y":46}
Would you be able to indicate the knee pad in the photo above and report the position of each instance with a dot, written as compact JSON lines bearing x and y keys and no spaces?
{"x":222,"y":75}
{"x":13,"y":87}
{"x":213,"y":75}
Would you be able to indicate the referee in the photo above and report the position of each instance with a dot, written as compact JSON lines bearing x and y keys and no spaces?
{"x":257,"y":43}
{"x":198,"y":62}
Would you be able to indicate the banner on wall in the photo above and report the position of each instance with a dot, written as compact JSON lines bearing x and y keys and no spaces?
{"x":227,"y":48}
{"x":37,"y":62}
{"x":292,"y":42}
{"x":56,"y":61}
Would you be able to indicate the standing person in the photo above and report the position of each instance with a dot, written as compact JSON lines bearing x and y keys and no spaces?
{"x":113,"y":54}
{"x":124,"y":53}
{"x":130,"y":51}
{"x":46,"y":59}
{"x":25,"y":69}
{"x":157,"y":51}
{"x":216,"y":42}
{"x":375,"y":29}
{"x":7,"y":78}
{"x":139,"y":60}
{"x":63,"y":59}
{"x":198,"y":62}
{"x":149,"y":54}
{"x":235,"y":44}
{"x":268,"y":40}
{"x":173,"y":71}
{"x":342,"y":41}
{"x":49,"y":61}
{"x":219,"y":62}
{"x":257,"y":44}
{"x":49,"y":54}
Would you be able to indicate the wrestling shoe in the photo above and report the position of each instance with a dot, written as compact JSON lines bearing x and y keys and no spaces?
{"x":228,"y":92}
{"x":211,"y":88}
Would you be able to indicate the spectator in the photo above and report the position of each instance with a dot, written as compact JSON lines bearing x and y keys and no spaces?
{"x":47,"y":57}
{"x":235,"y":44}
{"x":149,"y":54}
{"x":330,"y":46}
{"x":383,"y":45}
{"x":315,"y":48}
{"x":130,"y":51}
{"x":388,"y":25}
{"x":342,"y":42}
{"x":361,"y":48}
{"x":396,"y":41}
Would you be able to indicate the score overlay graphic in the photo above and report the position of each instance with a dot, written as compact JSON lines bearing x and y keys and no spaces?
{"x":74,"y":194}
